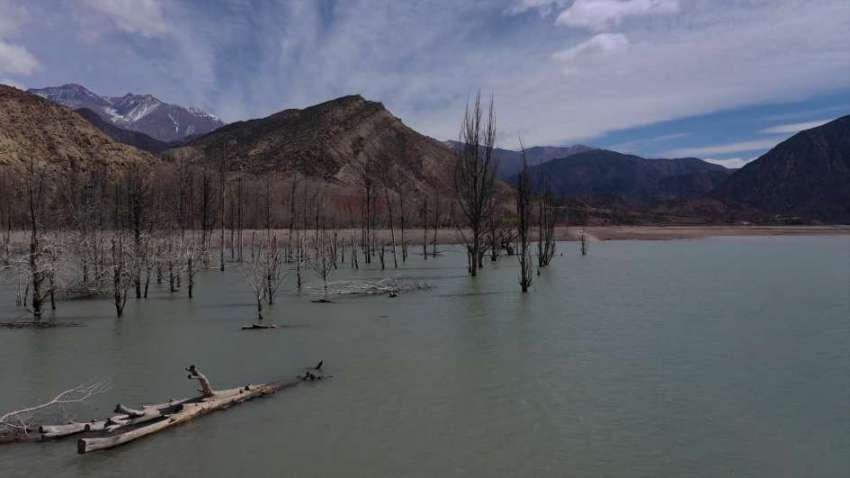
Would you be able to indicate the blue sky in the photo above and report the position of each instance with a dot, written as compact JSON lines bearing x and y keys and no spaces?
{"x":718,"y":79}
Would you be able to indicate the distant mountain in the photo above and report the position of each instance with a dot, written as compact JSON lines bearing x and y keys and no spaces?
{"x":807,"y":175}
{"x":144,"y":113}
{"x":34,"y":128}
{"x":333,"y":142}
{"x":601,"y":172}
{"x":510,"y":161}
{"x":133,"y":138}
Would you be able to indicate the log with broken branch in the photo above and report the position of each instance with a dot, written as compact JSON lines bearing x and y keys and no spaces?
{"x":129,"y":424}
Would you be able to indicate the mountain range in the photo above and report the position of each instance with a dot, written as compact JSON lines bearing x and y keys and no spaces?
{"x":343,"y":143}
{"x":143,"y":113}
{"x":602,"y":173}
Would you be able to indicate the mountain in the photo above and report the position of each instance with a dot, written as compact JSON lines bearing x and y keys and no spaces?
{"x":807,"y":175}
{"x":510,"y":161}
{"x":34,"y":128}
{"x":144,"y":113}
{"x":334,"y":142}
{"x":604,"y":173}
{"x":133,"y":138}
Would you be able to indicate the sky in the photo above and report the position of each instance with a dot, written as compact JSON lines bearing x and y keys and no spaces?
{"x":723,"y":80}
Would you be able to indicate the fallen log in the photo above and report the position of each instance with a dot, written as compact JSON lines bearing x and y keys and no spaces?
{"x":154,"y":419}
{"x":258,"y":326}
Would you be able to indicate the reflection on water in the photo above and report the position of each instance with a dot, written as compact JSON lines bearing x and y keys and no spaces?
{"x":713,"y":357}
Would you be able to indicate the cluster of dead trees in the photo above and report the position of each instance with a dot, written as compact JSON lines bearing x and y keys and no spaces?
{"x":486,"y":227}
{"x":101,"y":232}
{"x":114,"y":233}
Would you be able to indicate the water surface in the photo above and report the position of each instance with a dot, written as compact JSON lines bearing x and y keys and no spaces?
{"x":712,"y":357}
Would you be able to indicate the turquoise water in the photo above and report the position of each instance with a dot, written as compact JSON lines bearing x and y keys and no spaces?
{"x":712,"y":357}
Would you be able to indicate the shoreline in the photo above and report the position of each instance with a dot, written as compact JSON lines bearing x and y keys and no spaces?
{"x":445,"y":236}
{"x":662,"y":233}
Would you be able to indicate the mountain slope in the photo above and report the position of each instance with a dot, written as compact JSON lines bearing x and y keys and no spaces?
{"x":143,"y":113}
{"x":133,"y":138}
{"x":608,"y":173}
{"x":333,"y":141}
{"x":807,"y":175}
{"x":34,"y":128}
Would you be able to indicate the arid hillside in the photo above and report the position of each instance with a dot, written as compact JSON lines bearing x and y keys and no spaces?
{"x":340,"y":142}
{"x":33,"y":128}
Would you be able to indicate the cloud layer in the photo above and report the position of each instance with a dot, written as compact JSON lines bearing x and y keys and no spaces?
{"x":560,"y":70}
{"x":600,"y":15}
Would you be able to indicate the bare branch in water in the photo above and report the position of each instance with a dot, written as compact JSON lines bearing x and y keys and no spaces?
{"x":19,"y":420}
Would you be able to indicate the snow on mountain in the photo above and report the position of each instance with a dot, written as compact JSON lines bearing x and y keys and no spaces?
{"x":144,"y":113}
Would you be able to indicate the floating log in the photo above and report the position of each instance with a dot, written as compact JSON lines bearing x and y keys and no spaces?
{"x":130,"y":424}
{"x":184,"y":412}
{"x":155,"y":418}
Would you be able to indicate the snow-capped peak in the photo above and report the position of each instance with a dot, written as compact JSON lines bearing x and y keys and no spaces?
{"x":202,"y":113}
{"x":144,"y":113}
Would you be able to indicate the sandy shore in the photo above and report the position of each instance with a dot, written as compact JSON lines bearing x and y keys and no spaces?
{"x":609,"y":233}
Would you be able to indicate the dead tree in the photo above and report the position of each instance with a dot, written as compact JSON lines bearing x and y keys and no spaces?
{"x":401,"y":225}
{"x":264,"y":273}
{"x":190,"y":251}
{"x":390,"y":223}
{"x":222,"y":191}
{"x":436,"y":225}
{"x":475,"y":176}
{"x":425,"y":227}
{"x":322,"y":262}
{"x":121,"y":276}
{"x":545,"y":231}
{"x":34,"y":192}
{"x":583,"y":243}
{"x":523,"y":210}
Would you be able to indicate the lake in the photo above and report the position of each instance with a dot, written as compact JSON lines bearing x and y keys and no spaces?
{"x":710,"y":357}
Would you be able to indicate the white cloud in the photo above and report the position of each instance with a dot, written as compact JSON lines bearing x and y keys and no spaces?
{"x":144,"y":17}
{"x":794,"y":128}
{"x":599,"y":15}
{"x":16,"y":60}
{"x":543,"y":6}
{"x":739,"y":147}
{"x":732,"y":163}
{"x":601,"y":44}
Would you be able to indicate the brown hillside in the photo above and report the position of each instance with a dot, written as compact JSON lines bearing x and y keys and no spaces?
{"x":333,"y":143}
{"x":32,"y":127}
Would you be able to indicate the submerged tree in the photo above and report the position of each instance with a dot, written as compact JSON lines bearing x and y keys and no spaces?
{"x":546,"y":220}
{"x":523,"y":210}
{"x":264,"y":272}
{"x":35,"y":192}
{"x":122,"y":277}
{"x":475,"y":176}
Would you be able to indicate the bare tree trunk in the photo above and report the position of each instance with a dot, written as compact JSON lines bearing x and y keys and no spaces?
{"x":523,"y":206}
{"x":425,"y":227}
{"x":475,"y":176}
{"x":436,"y":226}
{"x":392,"y":230}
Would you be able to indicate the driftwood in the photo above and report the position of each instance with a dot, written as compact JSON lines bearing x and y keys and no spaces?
{"x":154,"y":418}
{"x":130,"y":424}
{"x":259,"y":326}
